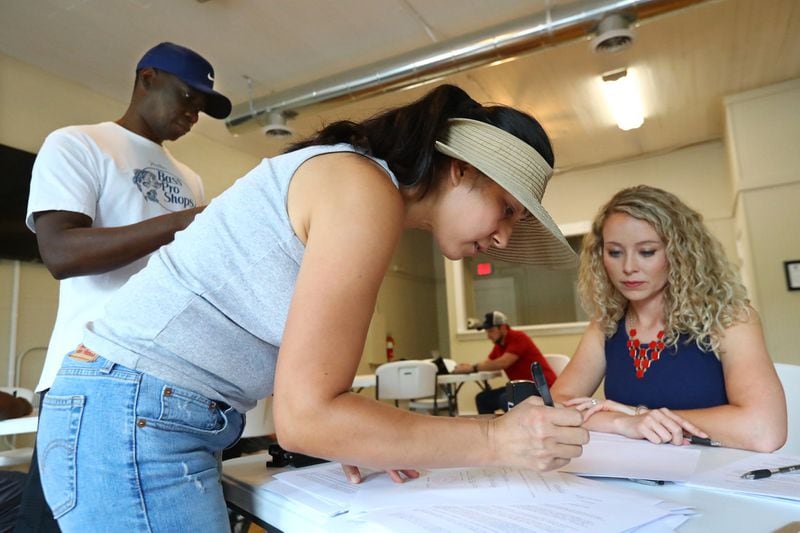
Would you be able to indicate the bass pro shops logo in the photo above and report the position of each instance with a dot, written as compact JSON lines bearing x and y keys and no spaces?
{"x":163,"y":188}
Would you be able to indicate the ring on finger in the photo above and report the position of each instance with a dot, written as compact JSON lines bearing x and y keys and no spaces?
{"x":594,"y":402}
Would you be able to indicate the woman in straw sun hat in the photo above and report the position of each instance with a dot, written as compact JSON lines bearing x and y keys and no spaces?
{"x":234,"y":308}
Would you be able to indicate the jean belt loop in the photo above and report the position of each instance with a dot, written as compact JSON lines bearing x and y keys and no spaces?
{"x":107,"y":367}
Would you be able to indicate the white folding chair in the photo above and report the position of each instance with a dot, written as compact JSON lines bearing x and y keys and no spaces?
{"x":441,"y":399}
{"x":405,"y":380}
{"x":557,"y":362}
{"x":790,"y":379}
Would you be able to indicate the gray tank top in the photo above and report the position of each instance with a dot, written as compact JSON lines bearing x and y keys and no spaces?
{"x":208,"y":311}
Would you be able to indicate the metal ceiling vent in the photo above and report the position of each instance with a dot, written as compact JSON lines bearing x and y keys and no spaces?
{"x":562,"y":24}
{"x":613,"y":34}
{"x":276,"y":125}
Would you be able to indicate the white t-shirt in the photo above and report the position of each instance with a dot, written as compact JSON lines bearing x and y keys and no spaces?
{"x":116,"y":178}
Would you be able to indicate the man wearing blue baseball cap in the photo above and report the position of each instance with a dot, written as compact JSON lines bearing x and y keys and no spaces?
{"x":105,"y":196}
{"x":192,"y":69}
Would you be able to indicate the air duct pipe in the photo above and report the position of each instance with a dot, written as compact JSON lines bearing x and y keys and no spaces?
{"x":506,"y":41}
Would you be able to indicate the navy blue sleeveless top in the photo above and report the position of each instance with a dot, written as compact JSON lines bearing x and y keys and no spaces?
{"x":684,"y":377}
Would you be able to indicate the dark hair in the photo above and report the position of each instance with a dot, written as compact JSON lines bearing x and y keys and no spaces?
{"x":405,"y":136}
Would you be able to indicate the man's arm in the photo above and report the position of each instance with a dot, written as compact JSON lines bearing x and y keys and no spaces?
{"x":70,"y":246}
{"x":501,"y":363}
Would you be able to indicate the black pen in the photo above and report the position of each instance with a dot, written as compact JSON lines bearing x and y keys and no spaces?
{"x":767,"y":472}
{"x":703,"y":441}
{"x":541,"y":384}
{"x":654,"y":482}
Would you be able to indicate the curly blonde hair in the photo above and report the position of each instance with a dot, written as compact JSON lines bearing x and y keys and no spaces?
{"x":703,"y":295}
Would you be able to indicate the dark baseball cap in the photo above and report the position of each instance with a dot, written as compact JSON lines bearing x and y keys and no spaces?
{"x":492,"y":320}
{"x":193,"y":69}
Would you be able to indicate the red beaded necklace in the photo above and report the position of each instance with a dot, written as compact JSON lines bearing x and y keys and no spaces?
{"x":643,"y":354}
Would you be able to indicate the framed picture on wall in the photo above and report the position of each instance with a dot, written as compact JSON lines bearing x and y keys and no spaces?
{"x":792,"y":274}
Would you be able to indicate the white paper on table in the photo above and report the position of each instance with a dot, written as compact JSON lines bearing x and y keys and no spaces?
{"x":569,"y":503}
{"x":459,"y":486}
{"x":591,"y":487}
{"x":728,"y":477}
{"x":326,"y":481}
{"x":487,"y":486}
{"x":668,"y":523}
{"x":570,"y":514}
{"x":609,"y":455}
{"x":311,"y":504}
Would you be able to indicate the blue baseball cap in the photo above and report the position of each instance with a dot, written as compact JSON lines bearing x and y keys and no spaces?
{"x":192,"y":69}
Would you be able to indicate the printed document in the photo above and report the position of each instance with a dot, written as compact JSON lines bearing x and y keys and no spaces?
{"x":475,"y":486}
{"x":534,"y":502}
{"x":459,"y":499}
{"x":728,"y":478}
{"x":609,"y":455}
{"x":326,"y":482}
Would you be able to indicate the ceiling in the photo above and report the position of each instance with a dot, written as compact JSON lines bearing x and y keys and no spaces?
{"x":686,"y":60}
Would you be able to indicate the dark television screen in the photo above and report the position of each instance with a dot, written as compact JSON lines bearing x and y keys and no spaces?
{"x":16,"y":240}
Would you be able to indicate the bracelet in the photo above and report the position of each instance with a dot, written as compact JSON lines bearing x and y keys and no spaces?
{"x":639,"y":409}
{"x":475,"y":368}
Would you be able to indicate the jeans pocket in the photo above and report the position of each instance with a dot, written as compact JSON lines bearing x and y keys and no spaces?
{"x":57,"y":445}
{"x":188,"y":412}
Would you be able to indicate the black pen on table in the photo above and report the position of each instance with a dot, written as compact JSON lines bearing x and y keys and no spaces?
{"x":654,"y":482}
{"x":768,"y":472}
{"x":704,"y":441}
{"x":541,"y":384}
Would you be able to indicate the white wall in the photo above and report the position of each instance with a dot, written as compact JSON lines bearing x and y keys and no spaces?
{"x":763,"y":137}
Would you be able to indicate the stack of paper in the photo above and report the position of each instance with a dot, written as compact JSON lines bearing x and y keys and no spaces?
{"x":609,"y":455}
{"x":485,"y":499}
{"x":728,"y":478}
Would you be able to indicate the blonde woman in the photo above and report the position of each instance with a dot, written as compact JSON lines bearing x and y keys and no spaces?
{"x":673,"y":334}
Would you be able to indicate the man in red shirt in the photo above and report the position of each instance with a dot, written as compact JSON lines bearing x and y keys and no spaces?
{"x":513,"y":352}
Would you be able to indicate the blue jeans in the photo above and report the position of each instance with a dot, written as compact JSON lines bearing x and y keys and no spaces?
{"x":119,"y":450}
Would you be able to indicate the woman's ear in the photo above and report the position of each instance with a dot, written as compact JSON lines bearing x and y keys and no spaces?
{"x":457,"y":168}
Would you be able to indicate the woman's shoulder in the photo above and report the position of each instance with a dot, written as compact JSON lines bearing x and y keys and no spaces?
{"x":348,"y":171}
{"x":343,"y":182}
{"x":746,"y":331}
{"x":594,"y":332}
{"x":747,"y":318}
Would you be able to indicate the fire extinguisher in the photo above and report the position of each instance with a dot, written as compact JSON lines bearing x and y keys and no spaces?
{"x":389,"y":348}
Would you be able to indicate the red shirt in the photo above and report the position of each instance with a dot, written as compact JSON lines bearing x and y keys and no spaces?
{"x":522,"y":346}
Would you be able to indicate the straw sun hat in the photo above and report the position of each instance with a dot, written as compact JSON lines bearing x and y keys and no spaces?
{"x":522,"y":171}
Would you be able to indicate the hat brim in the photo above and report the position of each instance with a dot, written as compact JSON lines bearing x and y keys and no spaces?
{"x":535,"y":240}
{"x":217,"y":105}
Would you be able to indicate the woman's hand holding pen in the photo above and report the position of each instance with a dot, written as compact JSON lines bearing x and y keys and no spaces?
{"x":656,"y":425}
{"x":537,"y":437}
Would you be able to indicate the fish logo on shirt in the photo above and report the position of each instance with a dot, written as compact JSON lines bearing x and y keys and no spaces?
{"x":163,"y":188}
